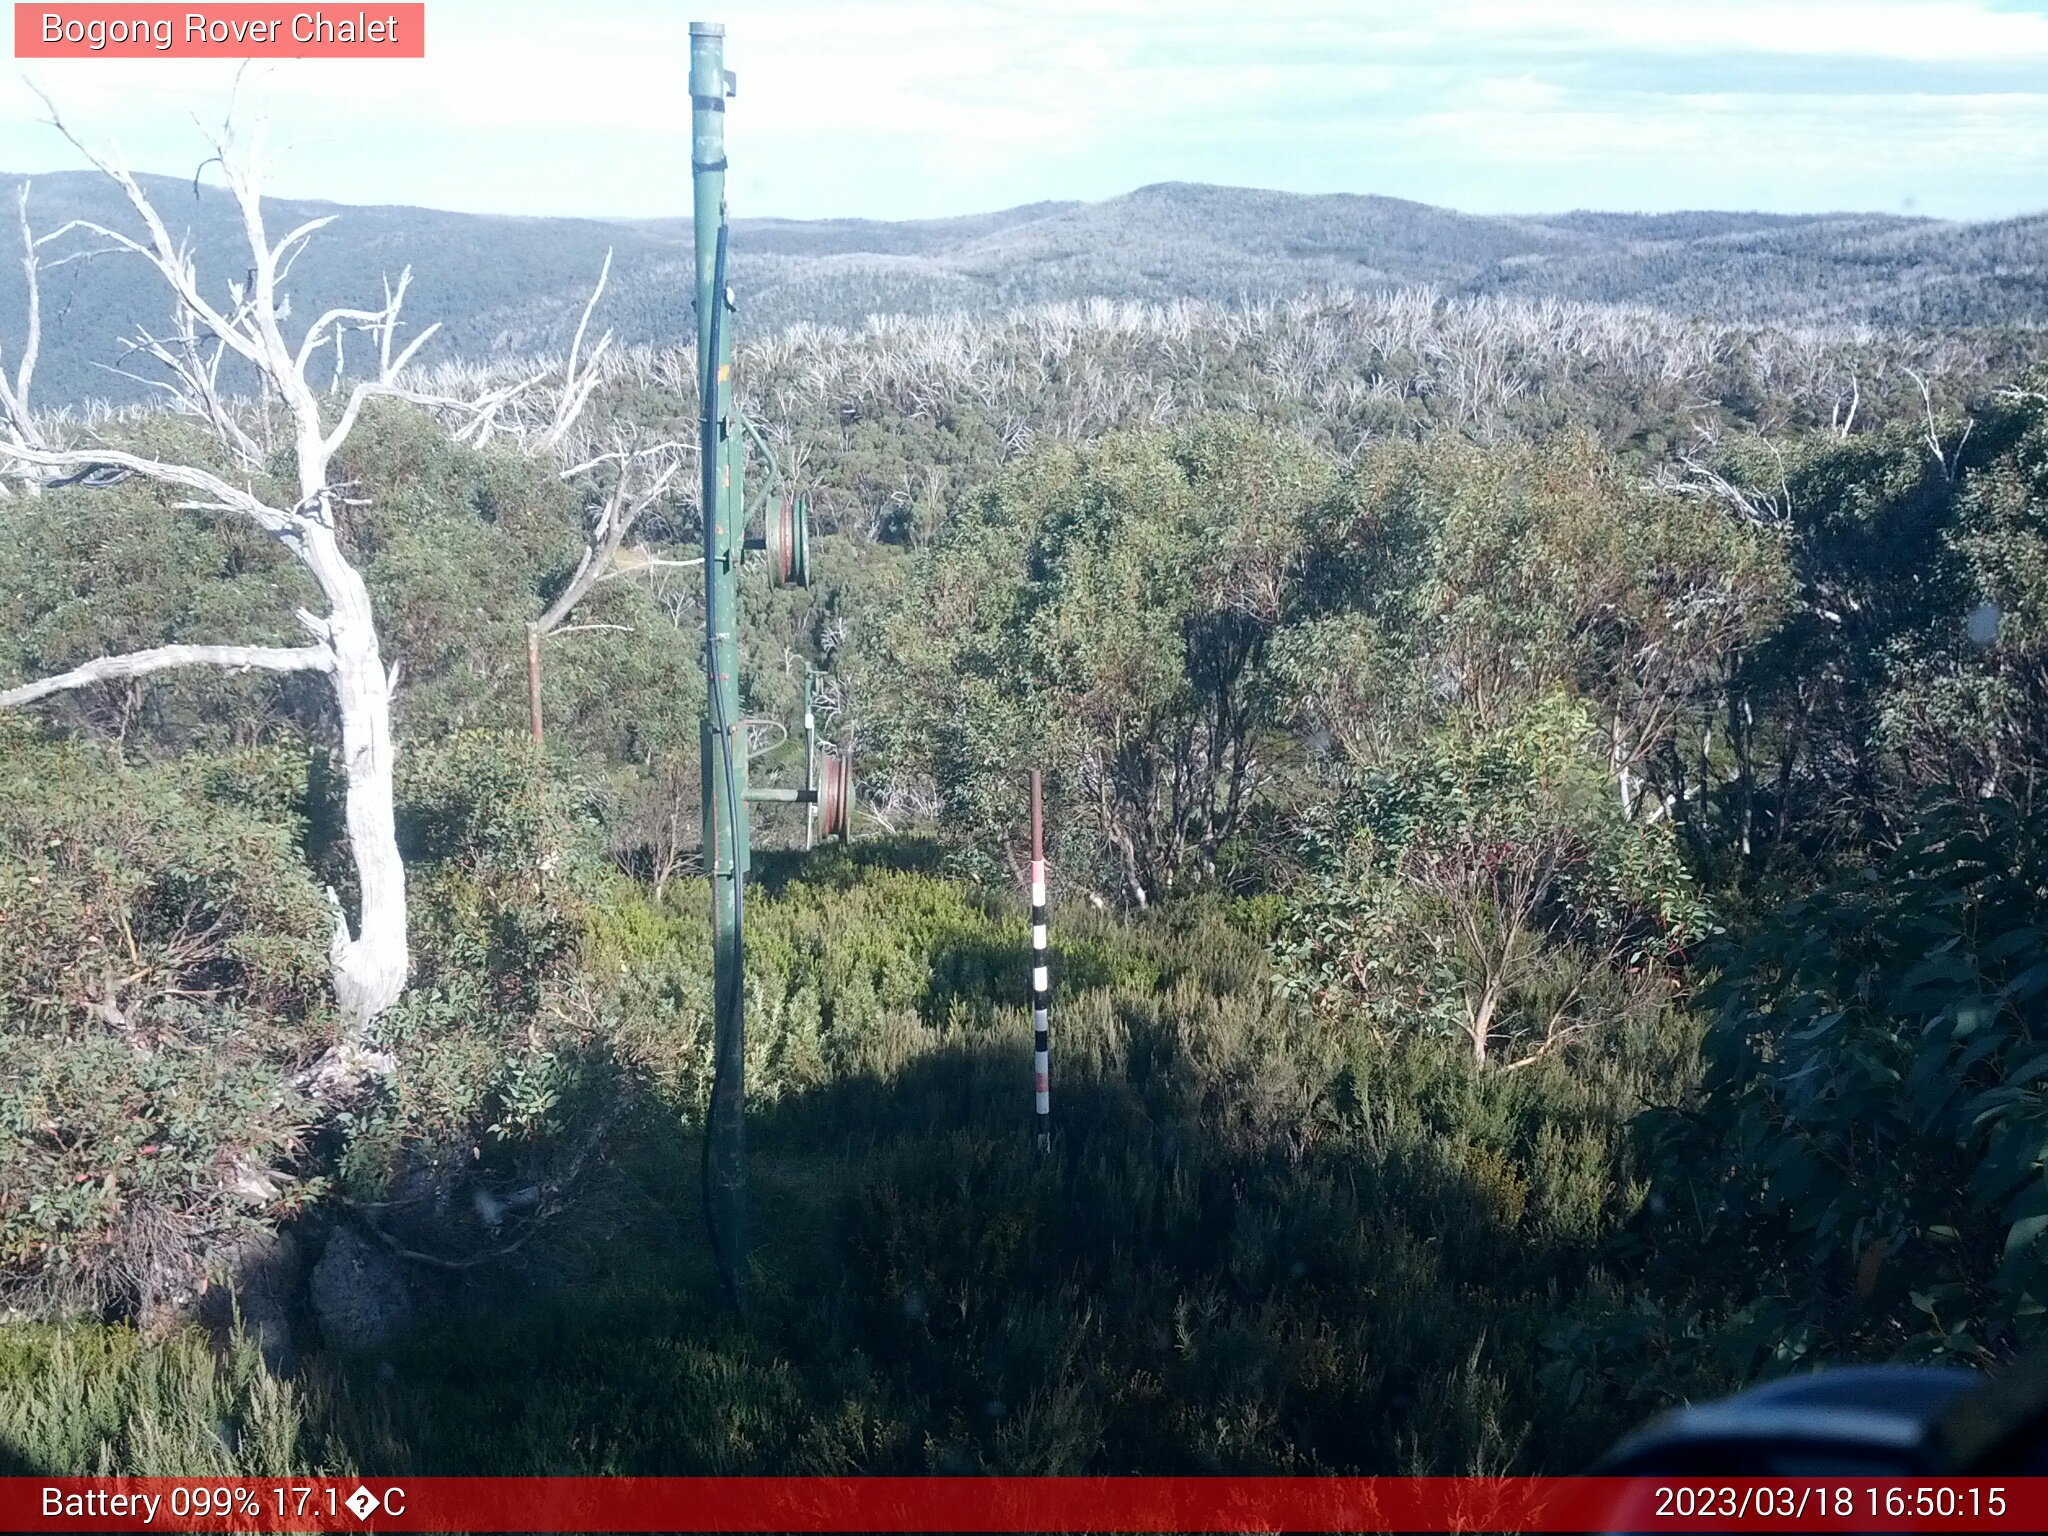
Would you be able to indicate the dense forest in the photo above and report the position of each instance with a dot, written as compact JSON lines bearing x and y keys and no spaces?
{"x":503,"y":287}
{"x":1548,"y":900}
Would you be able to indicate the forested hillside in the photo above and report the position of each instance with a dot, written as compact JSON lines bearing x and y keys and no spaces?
{"x":506,"y":287}
{"x":1547,"y":905}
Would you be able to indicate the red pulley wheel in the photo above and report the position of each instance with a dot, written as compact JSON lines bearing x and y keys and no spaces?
{"x":787,"y":538}
{"x":781,"y":542}
{"x":835,"y":797}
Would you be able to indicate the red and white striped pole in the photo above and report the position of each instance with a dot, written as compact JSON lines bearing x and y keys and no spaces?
{"x":1041,"y":976}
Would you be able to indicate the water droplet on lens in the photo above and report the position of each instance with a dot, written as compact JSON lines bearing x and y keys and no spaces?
{"x":1984,"y":621}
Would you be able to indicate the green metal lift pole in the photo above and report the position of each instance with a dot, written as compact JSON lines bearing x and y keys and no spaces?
{"x":724,"y":747}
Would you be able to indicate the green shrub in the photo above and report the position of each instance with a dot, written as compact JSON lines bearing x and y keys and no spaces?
{"x":1488,"y":887}
{"x":1873,"y":1161}
{"x":495,"y":1037}
{"x":91,"y":1401}
{"x":162,"y":973}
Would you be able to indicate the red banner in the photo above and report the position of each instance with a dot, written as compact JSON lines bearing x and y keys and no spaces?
{"x":994,"y":1504}
{"x":377,"y":31}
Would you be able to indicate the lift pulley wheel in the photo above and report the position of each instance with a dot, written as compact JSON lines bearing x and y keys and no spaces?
{"x":788,"y":542}
{"x":835,"y":796}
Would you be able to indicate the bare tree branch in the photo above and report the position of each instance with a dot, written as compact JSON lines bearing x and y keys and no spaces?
{"x":17,"y":418}
{"x":631,"y":562}
{"x":221,"y":493}
{"x":239,"y":658}
{"x":604,"y":535}
{"x":1933,"y":428}
{"x":609,"y":525}
{"x":172,"y":261}
{"x":576,"y":388}
{"x":1694,"y":476}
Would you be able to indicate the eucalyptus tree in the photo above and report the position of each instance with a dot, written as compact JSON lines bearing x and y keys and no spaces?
{"x":1104,"y":612}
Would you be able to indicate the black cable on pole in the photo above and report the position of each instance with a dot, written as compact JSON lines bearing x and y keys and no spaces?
{"x":728,"y":1274}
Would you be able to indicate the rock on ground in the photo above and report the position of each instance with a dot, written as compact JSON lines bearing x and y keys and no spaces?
{"x":358,"y":1292}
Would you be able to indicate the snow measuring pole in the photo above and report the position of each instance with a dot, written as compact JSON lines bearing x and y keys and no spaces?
{"x":827,"y":791}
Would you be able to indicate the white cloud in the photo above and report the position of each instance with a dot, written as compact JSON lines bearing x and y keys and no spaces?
{"x":944,"y":105}
{"x":1925,"y":31}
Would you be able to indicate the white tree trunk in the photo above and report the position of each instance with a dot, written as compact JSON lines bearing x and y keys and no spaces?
{"x":370,"y":966}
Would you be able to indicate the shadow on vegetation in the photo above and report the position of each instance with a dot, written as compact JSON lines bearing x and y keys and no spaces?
{"x":837,"y":868}
{"x":1166,"y":1291}
{"x":13,"y":1464}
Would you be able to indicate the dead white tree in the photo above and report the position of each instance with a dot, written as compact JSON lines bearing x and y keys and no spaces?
{"x":580,"y":375}
{"x":1843,"y":419}
{"x":17,"y":416}
{"x":644,"y":476}
{"x":1947,"y":460}
{"x":370,"y":963}
{"x":1694,"y":475}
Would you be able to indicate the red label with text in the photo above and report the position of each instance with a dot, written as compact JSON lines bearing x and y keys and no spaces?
{"x":240,"y":31}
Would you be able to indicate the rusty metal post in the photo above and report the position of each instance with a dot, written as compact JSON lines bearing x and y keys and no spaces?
{"x":533,"y":679}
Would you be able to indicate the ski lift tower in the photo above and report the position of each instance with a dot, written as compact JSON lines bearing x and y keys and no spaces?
{"x":785,"y":538}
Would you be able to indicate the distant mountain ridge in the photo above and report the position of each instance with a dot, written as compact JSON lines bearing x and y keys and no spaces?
{"x":505,"y":284}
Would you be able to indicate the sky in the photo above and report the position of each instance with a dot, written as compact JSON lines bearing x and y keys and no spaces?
{"x":934,"y":107}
